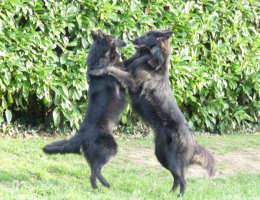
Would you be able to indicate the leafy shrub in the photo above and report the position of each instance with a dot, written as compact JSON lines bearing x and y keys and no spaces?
{"x":214,"y":65}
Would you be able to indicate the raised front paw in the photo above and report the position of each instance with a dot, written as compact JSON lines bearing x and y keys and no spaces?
{"x":98,"y":72}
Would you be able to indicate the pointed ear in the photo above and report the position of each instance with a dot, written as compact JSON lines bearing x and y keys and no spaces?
{"x":100,"y":32}
{"x":94,"y":35}
{"x":167,"y":33}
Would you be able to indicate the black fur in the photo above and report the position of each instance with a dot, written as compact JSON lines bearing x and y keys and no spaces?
{"x":148,"y":83}
{"x":106,"y":101}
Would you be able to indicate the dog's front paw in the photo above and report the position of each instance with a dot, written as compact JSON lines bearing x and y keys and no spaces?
{"x":98,"y":72}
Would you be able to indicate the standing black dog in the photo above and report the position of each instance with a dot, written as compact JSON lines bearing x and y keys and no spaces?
{"x":106,"y":101}
{"x":148,"y":83}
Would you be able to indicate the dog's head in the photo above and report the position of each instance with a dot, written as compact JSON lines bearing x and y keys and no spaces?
{"x":107,"y":46}
{"x":106,"y":39}
{"x":153,"y":38}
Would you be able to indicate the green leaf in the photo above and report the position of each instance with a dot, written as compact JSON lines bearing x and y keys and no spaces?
{"x":56,"y":117}
{"x":214,"y":64}
{"x":10,"y":98}
{"x":1,"y":119}
{"x":8,"y":115}
{"x":124,"y":119}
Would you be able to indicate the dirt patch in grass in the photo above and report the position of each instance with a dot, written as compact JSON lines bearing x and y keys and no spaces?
{"x":245,"y":160}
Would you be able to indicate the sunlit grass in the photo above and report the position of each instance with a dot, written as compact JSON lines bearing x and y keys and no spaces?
{"x":27,"y":173}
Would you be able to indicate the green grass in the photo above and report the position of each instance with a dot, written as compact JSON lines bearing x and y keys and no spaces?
{"x":27,"y":173}
{"x":228,"y":143}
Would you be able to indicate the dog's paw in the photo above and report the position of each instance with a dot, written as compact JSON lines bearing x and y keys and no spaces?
{"x":98,"y":72}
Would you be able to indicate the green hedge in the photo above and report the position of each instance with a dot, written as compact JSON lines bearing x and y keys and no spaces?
{"x":214,"y":64}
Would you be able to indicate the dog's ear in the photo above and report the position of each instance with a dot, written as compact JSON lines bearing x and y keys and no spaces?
{"x":94,"y":35}
{"x":101,"y":33}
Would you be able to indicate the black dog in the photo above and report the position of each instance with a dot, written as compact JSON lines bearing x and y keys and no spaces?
{"x":148,"y":83}
{"x":106,"y":101}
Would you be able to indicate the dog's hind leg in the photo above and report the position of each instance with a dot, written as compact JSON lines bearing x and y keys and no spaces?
{"x":96,"y":173}
{"x":176,"y":182}
{"x":182,"y":184}
{"x":177,"y":169}
{"x":179,"y":180}
{"x":101,"y":178}
{"x":98,"y":153}
{"x":93,"y":178}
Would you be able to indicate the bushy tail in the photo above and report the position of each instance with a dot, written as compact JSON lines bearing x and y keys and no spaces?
{"x":205,"y":159}
{"x":65,"y":146}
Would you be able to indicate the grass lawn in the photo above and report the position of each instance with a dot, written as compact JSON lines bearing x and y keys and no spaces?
{"x":27,"y":173}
